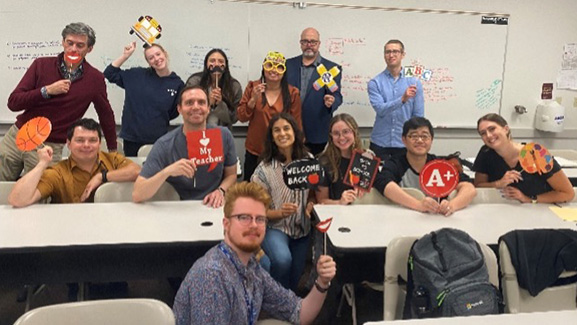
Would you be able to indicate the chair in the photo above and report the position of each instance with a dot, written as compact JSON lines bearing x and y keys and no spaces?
{"x":97,"y":312}
{"x":374,"y":197}
{"x":397,"y":255}
{"x":144,"y":150}
{"x":5,"y":189}
{"x":518,"y":300}
{"x":575,"y":197}
{"x":122,"y":192}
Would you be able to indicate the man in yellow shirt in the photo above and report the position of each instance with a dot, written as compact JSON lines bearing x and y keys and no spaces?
{"x":75,"y":179}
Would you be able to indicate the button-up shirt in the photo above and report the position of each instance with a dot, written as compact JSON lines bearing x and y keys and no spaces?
{"x":386,"y":96}
{"x":219,"y":289}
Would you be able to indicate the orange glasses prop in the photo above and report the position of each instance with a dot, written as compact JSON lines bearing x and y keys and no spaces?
{"x":535,"y":158}
{"x":33,"y":133}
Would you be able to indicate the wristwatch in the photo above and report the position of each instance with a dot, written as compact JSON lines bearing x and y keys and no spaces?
{"x":104,"y":178}
{"x":320,"y":288}
{"x":533,"y":199}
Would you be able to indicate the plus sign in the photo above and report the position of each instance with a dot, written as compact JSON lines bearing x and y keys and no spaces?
{"x":448,"y":175}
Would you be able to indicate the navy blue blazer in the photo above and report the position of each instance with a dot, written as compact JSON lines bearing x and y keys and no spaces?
{"x":315,"y":115}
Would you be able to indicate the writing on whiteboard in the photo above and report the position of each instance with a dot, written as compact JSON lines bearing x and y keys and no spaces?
{"x":196,"y":54}
{"x":440,"y":87}
{"x":20,"y":54}
{"x":487,"y":97}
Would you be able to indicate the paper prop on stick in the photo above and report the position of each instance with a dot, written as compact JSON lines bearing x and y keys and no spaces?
{"x":217,"y":72}
{"x":205,"y":147}
{"x":361,"y":171}
{"x":438,"y":178}
{"x":302,"y":174}
{"x":33,"y":133}
{"x":323,"y":227}
{"x":327,"y":78}
{"x":418,"y":72}
{"x":535,"y":158}
{"x":147,"y":29}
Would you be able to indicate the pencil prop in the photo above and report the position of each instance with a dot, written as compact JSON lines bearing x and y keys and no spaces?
{"x":535,"y":158}
{"x":33,"y":133}
{"x":323,"y":227}
{"x":327,"y":78}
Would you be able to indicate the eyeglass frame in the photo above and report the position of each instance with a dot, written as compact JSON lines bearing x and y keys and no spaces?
{"x":394,"y":52}
{"x":415,"y":137}
{"x":246,"y":219}
{"x":344,"y":133}
{"x":312,"y":42}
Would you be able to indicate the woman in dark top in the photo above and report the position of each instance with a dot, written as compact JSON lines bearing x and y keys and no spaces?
{"x":497,"y":165}
{"x":343,"y":140}
{"x":224,"y":97}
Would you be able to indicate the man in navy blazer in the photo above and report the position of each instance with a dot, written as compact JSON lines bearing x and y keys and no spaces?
{"x":317,"y":105}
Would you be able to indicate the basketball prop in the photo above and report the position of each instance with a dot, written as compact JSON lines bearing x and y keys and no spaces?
{"x":205,"y":147}
{"x":535,"y":158}
{"x":438,"y":178}
{"x":327,"y":78}
{"x":303,"y":173}
{"x":323,"y":227}
{"x":33,"y":133}
{"x":361,"y":171}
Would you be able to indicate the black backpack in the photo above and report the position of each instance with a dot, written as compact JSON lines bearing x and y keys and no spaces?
{"x":447,"y":276}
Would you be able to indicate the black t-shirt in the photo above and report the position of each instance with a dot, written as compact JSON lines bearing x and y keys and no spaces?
{"x":398,"y":170}
{"x":494,"y":166}
{"x":337,"y":188}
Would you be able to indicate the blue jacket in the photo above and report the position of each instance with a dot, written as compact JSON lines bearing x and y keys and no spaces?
{"x":315,"y":115}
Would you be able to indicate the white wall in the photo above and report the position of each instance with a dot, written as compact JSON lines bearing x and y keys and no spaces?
{"x":537,"y":32}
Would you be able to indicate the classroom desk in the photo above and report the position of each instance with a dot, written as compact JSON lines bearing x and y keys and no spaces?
{"x":56,"y":243}
{"x":359,"y":234}
{"x":537,"y":318}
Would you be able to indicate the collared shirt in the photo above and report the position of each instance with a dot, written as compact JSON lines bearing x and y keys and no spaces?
{"x":67,"y":73}
{"x":65,"y":182}
{"x":306,"y":75}
{"x":269,"y":176}
{"x":386,"y":96}
{"x":218,"y":289}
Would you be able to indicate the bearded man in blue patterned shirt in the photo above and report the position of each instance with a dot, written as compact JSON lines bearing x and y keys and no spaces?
{"x":228,"y":286}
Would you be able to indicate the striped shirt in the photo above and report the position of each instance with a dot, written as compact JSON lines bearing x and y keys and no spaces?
{"x":269,"y":176}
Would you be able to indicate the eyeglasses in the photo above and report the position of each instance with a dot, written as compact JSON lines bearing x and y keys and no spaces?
{"x":309,"y":42}
{"x":246,"y":220}
{"x":344,"y":133}
{"x":278,"y":67}
{"x":394,"y":52}
{"x":422,"y":137}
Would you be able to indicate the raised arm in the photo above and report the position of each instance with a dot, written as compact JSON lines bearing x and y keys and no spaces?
{"x":25,"y":191}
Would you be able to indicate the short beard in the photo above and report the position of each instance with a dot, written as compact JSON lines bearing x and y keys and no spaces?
{"x":309,"y":54}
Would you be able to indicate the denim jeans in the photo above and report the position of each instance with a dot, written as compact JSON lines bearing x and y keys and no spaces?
{"x":287,"y":257}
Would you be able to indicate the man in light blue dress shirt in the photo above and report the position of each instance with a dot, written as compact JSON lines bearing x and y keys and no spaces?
{"x":395,"y":98}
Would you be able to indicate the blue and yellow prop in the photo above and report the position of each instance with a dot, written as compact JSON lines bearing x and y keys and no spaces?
{"x":327,"y":78}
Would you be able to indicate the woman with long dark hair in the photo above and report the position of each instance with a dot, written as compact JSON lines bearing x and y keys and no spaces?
{"x":287,"y":235}
{"x":262,"y":99}
{"x":224,"y":91}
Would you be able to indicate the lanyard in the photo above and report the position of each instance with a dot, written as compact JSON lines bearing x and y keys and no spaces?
{"x":249,"y":303}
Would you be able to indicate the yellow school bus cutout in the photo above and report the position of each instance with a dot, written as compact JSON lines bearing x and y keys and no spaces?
{"x":147,"y":29}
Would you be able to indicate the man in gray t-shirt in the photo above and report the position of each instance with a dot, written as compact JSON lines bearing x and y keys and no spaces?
{"x":168,"y":160}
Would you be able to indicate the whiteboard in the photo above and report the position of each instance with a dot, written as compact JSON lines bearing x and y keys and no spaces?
{"x":466,"y":57}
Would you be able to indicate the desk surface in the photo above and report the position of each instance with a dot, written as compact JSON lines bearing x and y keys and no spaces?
{"x":44,"y":225}
{"x":373,"y":226}
{"x":538,"y":318}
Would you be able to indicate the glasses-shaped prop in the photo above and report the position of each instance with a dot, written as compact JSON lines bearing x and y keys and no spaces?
{"x":327,"y":78}
{"x":274,"y":60}
{"x":33,"y":133}
{"x":535,"y":158}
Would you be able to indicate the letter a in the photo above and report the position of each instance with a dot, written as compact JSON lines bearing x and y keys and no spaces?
{"x":435,"y":178}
